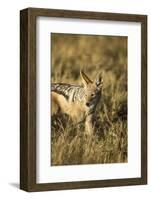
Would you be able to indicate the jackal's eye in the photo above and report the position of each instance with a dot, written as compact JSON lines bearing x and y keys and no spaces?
{"x":92,"y":95}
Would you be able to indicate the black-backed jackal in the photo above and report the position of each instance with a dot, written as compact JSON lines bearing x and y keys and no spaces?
{"x":79,"y":102}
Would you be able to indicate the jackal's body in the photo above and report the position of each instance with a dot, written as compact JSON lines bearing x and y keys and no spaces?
{"x":77,"y":101}
{"x":70,"y":99}
{"x":72,"y":93}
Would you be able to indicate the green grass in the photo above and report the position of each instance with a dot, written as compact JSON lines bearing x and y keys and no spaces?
{"x":69,"y":145}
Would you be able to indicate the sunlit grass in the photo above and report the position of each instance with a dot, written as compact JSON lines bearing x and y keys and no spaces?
{"x":69,"y":145}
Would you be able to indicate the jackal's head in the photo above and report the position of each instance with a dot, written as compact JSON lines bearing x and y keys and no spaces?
{"x":92,"y":89}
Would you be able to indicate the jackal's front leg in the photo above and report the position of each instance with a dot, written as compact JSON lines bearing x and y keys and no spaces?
{"x":89,"y":129}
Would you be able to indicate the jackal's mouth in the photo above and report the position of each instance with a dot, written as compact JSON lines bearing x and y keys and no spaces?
{"x":90,"y":106}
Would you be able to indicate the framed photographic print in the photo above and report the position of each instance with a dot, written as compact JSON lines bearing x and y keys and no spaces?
{"x":83,"y":99}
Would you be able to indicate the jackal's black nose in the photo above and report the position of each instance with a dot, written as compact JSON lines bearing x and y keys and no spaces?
{"x":87,"y":104}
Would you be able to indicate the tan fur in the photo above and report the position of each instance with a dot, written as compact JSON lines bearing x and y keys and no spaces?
{"x":73,"y":109}
{"x":60,"y":101}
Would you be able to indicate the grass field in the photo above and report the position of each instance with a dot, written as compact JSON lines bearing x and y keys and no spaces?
{"x":70,"y":53}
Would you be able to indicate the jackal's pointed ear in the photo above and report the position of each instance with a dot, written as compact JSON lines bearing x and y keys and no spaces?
{"x":99,"y":80}
{"x":85,"y":78}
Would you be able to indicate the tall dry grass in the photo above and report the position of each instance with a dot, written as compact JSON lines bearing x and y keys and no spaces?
{"x":69,"y":54}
